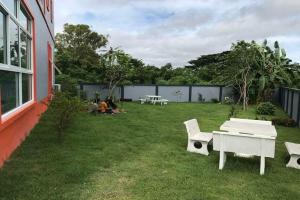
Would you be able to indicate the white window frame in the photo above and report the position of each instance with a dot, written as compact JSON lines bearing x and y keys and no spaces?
{"x":18,"y":69}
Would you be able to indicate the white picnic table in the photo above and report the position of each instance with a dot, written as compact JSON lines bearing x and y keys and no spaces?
{"x":154,"y":99}
{"x":249,"y":138}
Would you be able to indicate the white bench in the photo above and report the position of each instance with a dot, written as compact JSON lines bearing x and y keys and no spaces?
{"x":161,"y":101}
{"x":143,"y":101}
{"x":294,"y":151}
{"x":197,"y":141}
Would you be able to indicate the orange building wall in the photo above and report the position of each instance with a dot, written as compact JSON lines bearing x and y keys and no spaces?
{"x":14,"y":130}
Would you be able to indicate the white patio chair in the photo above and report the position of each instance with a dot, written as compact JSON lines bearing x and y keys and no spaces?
{"x":294,"y":151}
{"x":161,"y":101}
{"x":143,"y":100}
{"x":197,"y":141}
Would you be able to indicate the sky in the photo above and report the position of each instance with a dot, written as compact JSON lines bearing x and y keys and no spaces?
{"x":176,"y":31}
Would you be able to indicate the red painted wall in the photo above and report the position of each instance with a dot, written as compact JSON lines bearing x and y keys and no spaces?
{"x":14,"y":130}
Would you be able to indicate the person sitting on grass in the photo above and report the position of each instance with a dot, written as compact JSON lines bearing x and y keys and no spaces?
{"x":103,"y":107}
{"x":112,"y":105}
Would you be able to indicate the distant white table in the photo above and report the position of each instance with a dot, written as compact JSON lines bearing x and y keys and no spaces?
{"x":245,"y":139}
{"x":152,"y":98}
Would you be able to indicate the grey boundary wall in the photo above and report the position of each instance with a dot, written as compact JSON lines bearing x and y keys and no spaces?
{"x":174,"y":93}
{"x":289,"y":100}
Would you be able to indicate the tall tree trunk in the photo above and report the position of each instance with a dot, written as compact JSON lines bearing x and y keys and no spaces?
{"x":245,"y":95}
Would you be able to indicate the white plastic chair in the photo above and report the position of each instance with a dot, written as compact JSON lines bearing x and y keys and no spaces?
{"x":197,"y":141}
{"x":294,"y":151}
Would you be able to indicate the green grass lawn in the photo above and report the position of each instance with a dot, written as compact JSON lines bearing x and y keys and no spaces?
{"x":142,"y":154}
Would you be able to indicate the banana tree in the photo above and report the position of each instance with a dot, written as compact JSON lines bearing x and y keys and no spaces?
{"x":271,"y":70}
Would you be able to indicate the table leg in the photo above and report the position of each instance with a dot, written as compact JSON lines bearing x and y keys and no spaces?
{"x":262,"y":165}
{"x":222,"y":160}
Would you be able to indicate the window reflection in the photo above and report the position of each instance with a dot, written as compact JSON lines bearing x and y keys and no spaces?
{"x":2,"y":39}
{"x":25,"y":50}
{"x":11,"y":5}
{"x":9,"y":91}
{"x":14,"y":44}
{"x":24,"y":20}
{"x":26,"y":88}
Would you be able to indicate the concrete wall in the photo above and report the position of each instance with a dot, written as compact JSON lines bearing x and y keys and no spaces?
{"x":227,"y":92}
{"x":137,"y":92}
{"x":172,"y":93}
{"x":290,"y":102}
{"x":208,"y":93}
{"x":295,"y":105}
{"x":90,"y":91}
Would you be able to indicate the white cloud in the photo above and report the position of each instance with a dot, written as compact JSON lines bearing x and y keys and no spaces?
{"x":176,"y":31}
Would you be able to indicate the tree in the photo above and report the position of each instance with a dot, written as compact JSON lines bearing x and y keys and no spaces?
{"x":239,"y":71}
{"x":166,"y":71}
{"x":294,"y":72}
{"x":208,"y":67}
{"x":257,"y":70}
{"x":77,"y":52}
{"x":271,"y":71}
{"x":116,"y":65}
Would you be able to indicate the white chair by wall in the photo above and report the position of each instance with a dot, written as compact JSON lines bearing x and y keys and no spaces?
{"x":197,"y":141}
{"x":294,"y":151}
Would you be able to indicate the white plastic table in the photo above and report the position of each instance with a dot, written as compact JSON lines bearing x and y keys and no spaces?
{"x":245,"y":139}
{"x":152,"y":98}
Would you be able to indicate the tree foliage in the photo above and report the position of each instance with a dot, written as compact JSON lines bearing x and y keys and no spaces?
{"x":115,"y":64}
{"x":63,"y":109}
{"x":255,"y":70}
{"x":77,"y":54}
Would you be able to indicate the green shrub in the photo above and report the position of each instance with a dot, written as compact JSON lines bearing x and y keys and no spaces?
{"x":63,"y":109}
{"x":232,"y":112}
{"x":68,"y":84}
{"x":83,"y":95}
{"x":215,"y":100}
{"x":162,"y":82}
{"x":228,"y":100}
{"x":288,"y":122}
{"x":97,"y":97}
{"x":265,"y":108}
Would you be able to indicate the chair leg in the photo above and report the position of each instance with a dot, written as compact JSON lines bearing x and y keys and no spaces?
{"x":293,"y":162}
{"x":262,"y":165}
{"x":204,"y":148}
{"x":222,"y":160}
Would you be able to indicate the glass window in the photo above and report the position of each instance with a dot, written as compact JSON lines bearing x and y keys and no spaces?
{"x":11,"y":5}
{"x":9,"y":91}
{"x":25,"y":50}
{"x":26,"y":88}
{"x":14,"y":44}
{"x":16,"y":78}
{"x":23,"y":19}
{"x":2,"y":39}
